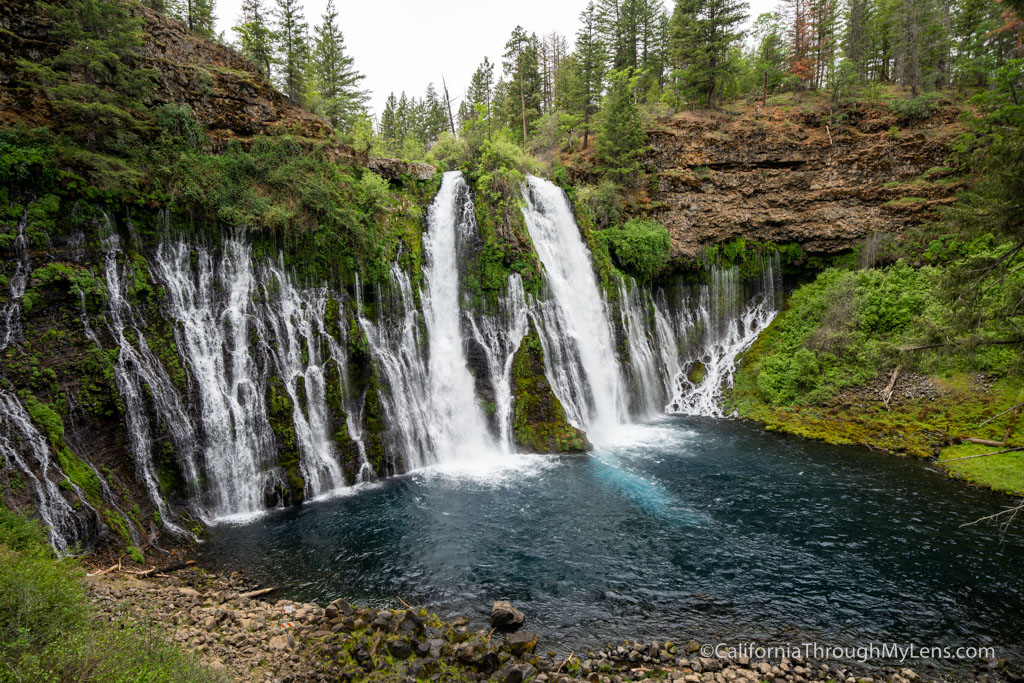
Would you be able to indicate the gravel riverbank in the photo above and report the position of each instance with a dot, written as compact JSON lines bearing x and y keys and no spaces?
{"x":262,"y":638}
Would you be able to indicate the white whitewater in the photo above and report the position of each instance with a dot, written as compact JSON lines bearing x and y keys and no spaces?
{"x":10,"y":311}
{"x":730,"y":325}
{"x":575,"y":327}
{"x":212,"y":311}
{"x":297,"y":326}
{"x":653,"y":347}
{"x":135,"y":370}
{"x":397,"y":345}
{"x":458,"y":428}
{"x":500,"y":336}
{"x":230,"y":344}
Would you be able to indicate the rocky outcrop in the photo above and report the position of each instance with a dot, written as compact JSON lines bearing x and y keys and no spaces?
{"x":775,"y":175}
{"x":224,"y":90}
{"x":539,"y":424}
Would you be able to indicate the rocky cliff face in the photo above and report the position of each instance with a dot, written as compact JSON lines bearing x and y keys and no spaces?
{"x":225,"y":91}
{"x":772,"y":174}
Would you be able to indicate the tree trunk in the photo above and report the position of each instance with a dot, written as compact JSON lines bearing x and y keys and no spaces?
{"x":522,"y":104}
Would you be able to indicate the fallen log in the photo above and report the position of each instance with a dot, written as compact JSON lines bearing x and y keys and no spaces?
{"x":257,"y":593}
{"x":163,"y":570}
{"x":982,"y":442}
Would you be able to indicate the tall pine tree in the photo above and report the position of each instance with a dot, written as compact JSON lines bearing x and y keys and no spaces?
{"x":622,"y":140}
{"x":522,"y":69}
{"x":292,"y":50}
{"x":590,"y":58}
{"x":255,"y":37}
{"x":335,"y":79}
{"x":701,"y":35}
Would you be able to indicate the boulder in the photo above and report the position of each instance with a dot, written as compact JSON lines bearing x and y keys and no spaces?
{"x":505,"y":617}
{"x":522,"y":642}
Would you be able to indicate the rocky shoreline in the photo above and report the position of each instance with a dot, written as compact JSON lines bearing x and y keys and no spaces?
{"x":242,"y":633}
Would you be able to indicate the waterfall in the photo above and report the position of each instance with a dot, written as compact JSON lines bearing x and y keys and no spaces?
{"x":23,"y":445}
{"x":297,"y":327}
{"x":730,"y":325}
{"x":396,"y":343}
{"x":430,"y":401}
{"x":653,"y":347}
{"x":575,"y":328}
{"x":139,"y":374}
{"x":500,"y":336}
{"x":458,"y":428}
{"x":231,"y":345}
{"x":10,"y":311}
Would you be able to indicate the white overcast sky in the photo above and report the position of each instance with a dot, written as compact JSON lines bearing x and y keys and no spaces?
{"x":406,"y":44}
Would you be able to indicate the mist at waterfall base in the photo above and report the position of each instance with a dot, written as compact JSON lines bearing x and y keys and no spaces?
{"x":687,"y":528}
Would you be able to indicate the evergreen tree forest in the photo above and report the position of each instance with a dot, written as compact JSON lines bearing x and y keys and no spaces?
{"x":550,"y":91}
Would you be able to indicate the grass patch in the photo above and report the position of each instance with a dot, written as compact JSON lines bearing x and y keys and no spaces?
{"x":1003,"y":472}
{"x":49,"y":631}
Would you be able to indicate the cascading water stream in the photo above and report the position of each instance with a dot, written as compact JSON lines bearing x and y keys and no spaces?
{"x":10,"y":311}
{"x":396,"y":343}
{"x":297,"y":326}
{"x":575,"y":328}
{"x":22,"y":444}
{"x":430,"y":401}
{"x":500,"y":336}
{"x":232,"y":345}
{"x":138,"y":373}
{"x":730,"y":326}
{"x":458,"y":429}
{"x":211,"y":308}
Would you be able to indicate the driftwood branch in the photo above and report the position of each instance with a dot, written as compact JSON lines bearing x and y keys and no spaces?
{"x":257,"y":593}
{"x":982,"y":442}
{"x":163,"y":570}
{"x":891,"y":388}
{"x":996,"y":417}
{"x":1012,"y":512}
{"x":984,"y":455}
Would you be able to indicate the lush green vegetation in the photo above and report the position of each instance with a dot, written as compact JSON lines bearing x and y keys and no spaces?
{"x":942,"y":302}
{"x":641,"y":246}
{"x":50,"y":632}
{"x":539,"y":424}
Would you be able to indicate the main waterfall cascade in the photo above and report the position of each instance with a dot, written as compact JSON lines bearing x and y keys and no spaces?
{"x":266,"y":412}
{"x":575,"y":327}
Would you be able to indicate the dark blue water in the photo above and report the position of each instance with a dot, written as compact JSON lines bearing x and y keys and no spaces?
{"x":690,"y":528}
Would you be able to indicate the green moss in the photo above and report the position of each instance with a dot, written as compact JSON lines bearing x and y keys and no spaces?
{"x":74,"y":279}
{"x":539,"y":424}
{"x":505,"y":246}
{"x":47,"y":419}
{"x":280,"y":414}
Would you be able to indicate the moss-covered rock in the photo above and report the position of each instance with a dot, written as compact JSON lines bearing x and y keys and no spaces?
{"x":538,"y":419}
{"x":291,"y":490}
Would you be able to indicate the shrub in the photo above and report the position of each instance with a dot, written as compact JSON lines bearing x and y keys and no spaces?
{"x":449,"y":152}
{"x":602,"y":202}
{"x":640,"y":247}
{"x":916,"y":109}
{"x":49,"y":631}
